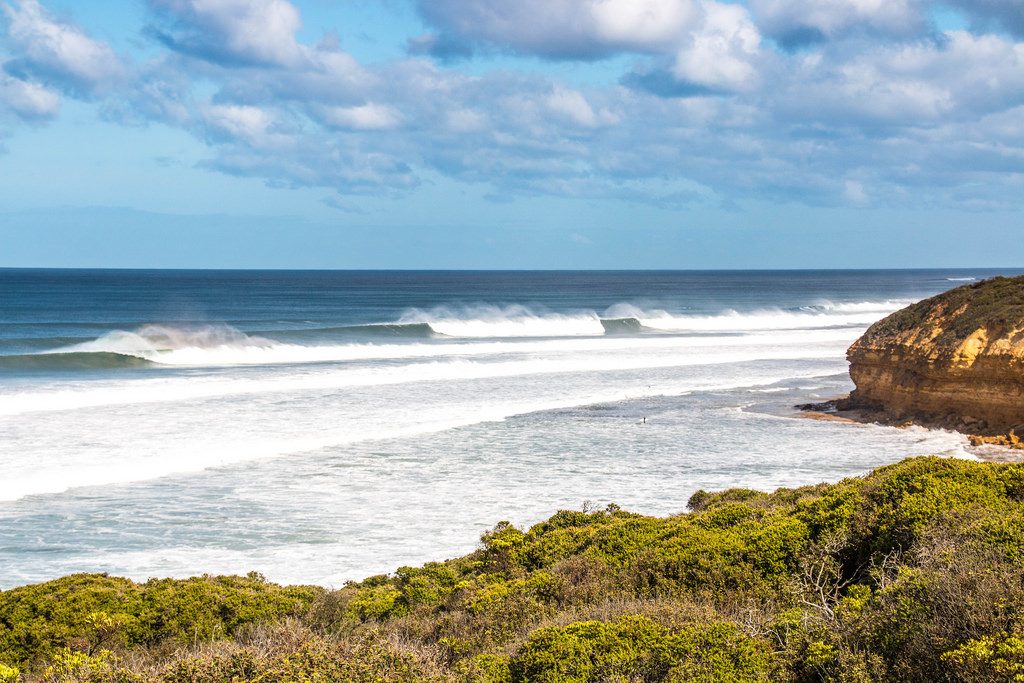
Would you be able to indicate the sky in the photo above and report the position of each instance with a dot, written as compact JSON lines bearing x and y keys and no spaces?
{"x":512,"y":133}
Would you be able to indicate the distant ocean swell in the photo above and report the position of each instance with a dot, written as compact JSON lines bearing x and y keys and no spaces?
{"x":72,"y":360}
{"x":220,"y":344}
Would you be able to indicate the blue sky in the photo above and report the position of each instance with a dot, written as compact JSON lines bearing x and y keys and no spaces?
{"x":498,"y":134}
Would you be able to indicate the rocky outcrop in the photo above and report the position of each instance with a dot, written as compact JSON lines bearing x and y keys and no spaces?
{"x":955,"y":360}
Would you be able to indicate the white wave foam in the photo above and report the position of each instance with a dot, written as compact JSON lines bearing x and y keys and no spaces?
{"x":164,"y":390}
{"x":155,"y":342}
{"x":206,"y":452}
{"x":222,"y":345}
{"x":505,"y":321}
{"x":815,"y":317}
{"x":201,"y":455}
{"x":887,"y":306}
{"x":520,"y":321}
{"x":244,"y":350}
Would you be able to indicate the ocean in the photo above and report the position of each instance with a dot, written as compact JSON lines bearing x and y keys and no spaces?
{"x":319,"y":427}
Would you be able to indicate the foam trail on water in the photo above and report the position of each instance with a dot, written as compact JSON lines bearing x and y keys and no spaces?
{"x":154,"y":342}
{"x":222,"y":345}
{"x":508,"y":321}
{"x":823,"y":316}
{"x":183,"y":389}
{"x":873,"y":307}
{"x":201,"y":455}
{"x":257,"y":351}
{"x":204,"y":453}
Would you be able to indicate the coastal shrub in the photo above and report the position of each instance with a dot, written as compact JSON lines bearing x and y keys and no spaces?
{"x":429,"y":585}
{"x":611,"y":535}
{"x":935,"y":605}
{"x":503,"y":608}
{"x":912,"y":573}
{"x":636,"y":648}
{"x":38,"y":620}
{"x":702,"y":500}
{"x":990,"y":659}
{"x":70,"y":666}
{"x":314,"y":661}
{"x":89,"y":612}
{"x":204,"y":608}
{"x":730,"y":548}
{"x":376,"y":602}
{"x":485,"y":668}
{"x":583,"y":580}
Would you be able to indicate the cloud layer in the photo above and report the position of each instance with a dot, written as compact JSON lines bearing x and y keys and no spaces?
{"x":855,"y":102}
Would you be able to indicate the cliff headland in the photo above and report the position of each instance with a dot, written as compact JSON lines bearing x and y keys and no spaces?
{"x":954,"y":361}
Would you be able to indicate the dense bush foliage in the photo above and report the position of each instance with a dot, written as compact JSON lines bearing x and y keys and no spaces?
{"x":913,"y":573}
{"x":91,"y":613}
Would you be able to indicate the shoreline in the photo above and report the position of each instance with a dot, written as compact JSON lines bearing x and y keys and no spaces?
{"x":1003,"y":448}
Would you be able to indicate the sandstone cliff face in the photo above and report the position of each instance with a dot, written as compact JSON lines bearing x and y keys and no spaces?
{"x":956,"y":360}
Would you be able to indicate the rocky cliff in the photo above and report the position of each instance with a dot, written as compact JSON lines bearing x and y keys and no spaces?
{"x":954,"y":360}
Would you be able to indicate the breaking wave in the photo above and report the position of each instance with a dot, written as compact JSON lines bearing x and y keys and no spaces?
{"x":373,"y":330}
{"x":823,"y":315}
{"x":82,"y":360}
{"x":504,"y":321}
{"x":434,"y":332}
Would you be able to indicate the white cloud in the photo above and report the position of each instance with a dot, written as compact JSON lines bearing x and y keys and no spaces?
{"x":254,"y":125}
{"x":802,"y":21}
{"x":723,"y":53}
{"x":58,"y":52}
{"x":572,"y":106}
{"x":642,"y":25}
{"x":907,"y":120}
{"x":369,"y":116}
{"x":29,"y":101}
{"x":709,"y":44}
{"x":249,"y":31}
{"x":564,"y":29}
{"x":960,"y":78}
{"x":866,"y":116}
{"x":854,"y":192}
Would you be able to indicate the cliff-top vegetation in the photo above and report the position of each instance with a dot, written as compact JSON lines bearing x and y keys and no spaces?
{"x":912,"y":573}
{"x":995,"y":305}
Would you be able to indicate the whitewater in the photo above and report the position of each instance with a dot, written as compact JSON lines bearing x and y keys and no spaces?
{"x":321,"y":427}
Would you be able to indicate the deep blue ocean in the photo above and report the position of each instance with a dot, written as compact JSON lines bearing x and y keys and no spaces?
{"x":324,"y":426}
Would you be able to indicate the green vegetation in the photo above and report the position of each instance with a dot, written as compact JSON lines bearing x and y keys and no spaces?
{"x":91,"y":613}
{"x":913,"y":573}
{"x":995,"y":305}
